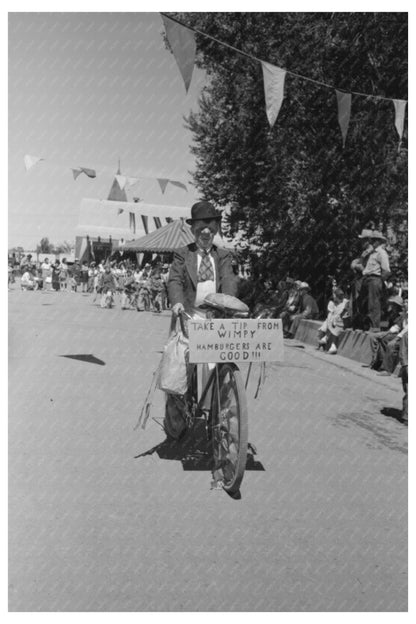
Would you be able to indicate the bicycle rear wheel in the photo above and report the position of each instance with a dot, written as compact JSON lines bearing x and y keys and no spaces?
{"x":229,"y":427}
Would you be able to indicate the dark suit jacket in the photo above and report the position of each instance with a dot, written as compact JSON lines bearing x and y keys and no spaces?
{"x":183,"y":279}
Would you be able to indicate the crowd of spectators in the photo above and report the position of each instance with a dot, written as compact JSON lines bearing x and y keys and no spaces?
{"x":371,"y":303}
{"x":142,"y":289}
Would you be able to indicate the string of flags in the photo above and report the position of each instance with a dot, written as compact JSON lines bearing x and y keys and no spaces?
{"x":182,"y":42}
{"x":123,"y":181}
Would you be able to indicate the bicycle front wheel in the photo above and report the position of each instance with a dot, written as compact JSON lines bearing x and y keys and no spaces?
{"x":229,"y":427}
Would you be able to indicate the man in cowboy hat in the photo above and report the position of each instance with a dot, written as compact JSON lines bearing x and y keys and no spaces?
{"x":200,"y":268}
{"x":358,"y":265}
{"x":197,"y":270}
{"x":375,"y":272}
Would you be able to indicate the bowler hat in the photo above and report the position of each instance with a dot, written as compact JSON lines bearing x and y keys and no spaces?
{"x":203,"y":210}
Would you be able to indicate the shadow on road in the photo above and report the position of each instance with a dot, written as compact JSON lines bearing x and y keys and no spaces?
{"x":393,"y":412}
{"x":194,"y":452}
{"x":85,"y":357}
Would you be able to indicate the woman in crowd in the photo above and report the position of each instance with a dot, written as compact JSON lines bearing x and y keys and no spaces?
{"x":333,"y":326}
{"x":63,"y":275}
{"x":46,"y":274}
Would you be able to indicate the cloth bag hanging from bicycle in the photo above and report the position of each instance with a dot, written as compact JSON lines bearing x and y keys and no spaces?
{"x":173,"y":366}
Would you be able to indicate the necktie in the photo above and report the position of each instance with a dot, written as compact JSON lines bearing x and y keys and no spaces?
{"x":205,"y":268}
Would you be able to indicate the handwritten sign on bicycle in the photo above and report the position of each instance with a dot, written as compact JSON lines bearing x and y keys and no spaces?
{"x":235,"y":340}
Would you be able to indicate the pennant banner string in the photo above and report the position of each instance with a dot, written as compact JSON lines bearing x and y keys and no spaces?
{"x":254,"y":58}
{"x":122,"y":180}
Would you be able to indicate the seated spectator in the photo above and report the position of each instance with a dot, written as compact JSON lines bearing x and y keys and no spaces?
{"x":28,"y":282}
{"x":332,"y":327}
{"x":292,"y":304}
{"x":385,"y":345}
{"x":308,"y":309}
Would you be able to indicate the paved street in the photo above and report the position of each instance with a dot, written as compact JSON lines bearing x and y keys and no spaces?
{"x":322,"y":526}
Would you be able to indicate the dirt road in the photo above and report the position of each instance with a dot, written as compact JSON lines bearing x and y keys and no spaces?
{"x":321,"y":526}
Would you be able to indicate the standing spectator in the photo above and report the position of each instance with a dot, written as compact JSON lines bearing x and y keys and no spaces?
{"x":308,"y":309}
{"x":376,"y":270}
{"x":55,"y":269}
{"x":128,"y":297}
{"x":10,"y":274}
{"x":403,"y":358}
{"x":76,"y":274}
{"x":143,"y":300}
{"x":92,"y":270}
{"x":26,"y":263}
{"x":37,"y":275}
{"x":358,"y":265}
{"x":165,"y":276}
{"x":84,"y":277}
{"x":63,"y":275}
{"x":46,"y":274}
{"x":108,"y":287}
{"x":156,"y":289}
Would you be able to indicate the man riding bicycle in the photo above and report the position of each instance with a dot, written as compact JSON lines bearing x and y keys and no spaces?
{"x":197,"y":270}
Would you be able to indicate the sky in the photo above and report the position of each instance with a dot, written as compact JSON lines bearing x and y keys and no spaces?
{"x":86,"y":89}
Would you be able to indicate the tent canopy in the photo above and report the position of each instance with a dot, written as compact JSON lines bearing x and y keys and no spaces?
{"x":167,"y":238}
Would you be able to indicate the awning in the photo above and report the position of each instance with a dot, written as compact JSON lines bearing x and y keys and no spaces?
{"x":169,"y":237}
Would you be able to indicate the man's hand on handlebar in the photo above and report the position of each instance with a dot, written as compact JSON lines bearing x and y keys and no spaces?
{"x":178,"y":308}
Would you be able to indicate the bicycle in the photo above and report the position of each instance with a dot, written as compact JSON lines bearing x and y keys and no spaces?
{"x":216,"y":394}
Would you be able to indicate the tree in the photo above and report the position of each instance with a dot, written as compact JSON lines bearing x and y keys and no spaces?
{"x":44,"y":246}
{"x":298,"y":199}
{"x":64,"y":247}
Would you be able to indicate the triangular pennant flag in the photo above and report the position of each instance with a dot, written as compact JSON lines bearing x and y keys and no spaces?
{"x":183,"y":45}
{"x":120,"y":211}
{"x":400,"y":109}
{"x":89,"y":172}
{"x":133,"y":222}
{"x":344,"y":112}
{"x":30,"y":161}
{"x":158,"y":222}
{"x":121,"y":181}
{"x":76,"y":173}
{"x":180,"y":184}
{"x":145,"y":226}
{"x":274,"y":88}
{"x":163,"y":182}
{"x":132,"y":181}
{"x":91,"y":249}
